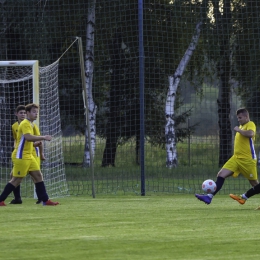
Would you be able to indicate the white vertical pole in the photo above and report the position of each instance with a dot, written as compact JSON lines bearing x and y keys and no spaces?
{"x":35,"y":72}
{"x":36,"y":98}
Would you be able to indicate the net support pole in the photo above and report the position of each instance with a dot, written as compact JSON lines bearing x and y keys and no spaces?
{"x":85,"y":95}
{"x":141,"y":87}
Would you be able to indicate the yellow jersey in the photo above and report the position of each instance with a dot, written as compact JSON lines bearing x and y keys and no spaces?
{"x":15,"y":130}
{"x":244,"y":146}
{"x":23,"y":148}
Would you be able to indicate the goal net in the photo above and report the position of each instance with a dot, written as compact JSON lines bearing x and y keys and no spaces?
{"x":21,"y":83}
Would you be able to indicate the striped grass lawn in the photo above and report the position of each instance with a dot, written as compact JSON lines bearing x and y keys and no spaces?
{"x":131,"y":227}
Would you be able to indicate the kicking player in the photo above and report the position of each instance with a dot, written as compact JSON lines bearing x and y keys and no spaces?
{"x":244,"y":160}
{"x":24,"y":162}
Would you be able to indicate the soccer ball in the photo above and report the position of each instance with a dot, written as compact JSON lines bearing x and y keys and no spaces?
{"x":209,"y":186}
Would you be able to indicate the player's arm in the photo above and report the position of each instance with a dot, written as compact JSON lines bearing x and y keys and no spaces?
{"x":34,"y":138}
{"x":40,"y":145}
{"x":41,"y":152}
{"x":246,"y":133}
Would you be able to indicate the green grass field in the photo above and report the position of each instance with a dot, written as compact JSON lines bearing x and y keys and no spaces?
{"x":131,"y":227}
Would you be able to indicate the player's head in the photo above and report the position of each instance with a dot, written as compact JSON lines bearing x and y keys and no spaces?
{"x":242,"y":116}
{"x":20,"y":113}
{"x":32,"y":111}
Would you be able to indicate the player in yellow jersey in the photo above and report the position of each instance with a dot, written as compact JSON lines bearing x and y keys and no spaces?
{"x":23,"y":160}
{"x":20,"y":114}
{"x":37,"y":151}
{"x":244,"y":160}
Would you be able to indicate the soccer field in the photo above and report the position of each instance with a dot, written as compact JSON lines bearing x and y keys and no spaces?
{"x":131,"y":227}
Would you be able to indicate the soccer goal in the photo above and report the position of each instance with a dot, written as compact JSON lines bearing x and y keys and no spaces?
{"x":24,"y":82}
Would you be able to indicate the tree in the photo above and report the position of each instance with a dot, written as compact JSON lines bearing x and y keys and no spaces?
{"x":174,"y":80}
{"x":223,"y":30}
{"x":89,"y":67}
{"x":122,"y":93}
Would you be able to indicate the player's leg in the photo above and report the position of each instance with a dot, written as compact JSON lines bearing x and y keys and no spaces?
{"x":38,"y":200}
{"x":227,"y":170}
{"x":17,"y":194}
{"x":9,"y":187}
{"x":41,"y":192}
{"x":222,"y":174}
{"x":250,"y":193}
{"x":38,"y":160}
{"x":249,"y":171}
{"x":20,"y":170}
{"x":244,"y":197}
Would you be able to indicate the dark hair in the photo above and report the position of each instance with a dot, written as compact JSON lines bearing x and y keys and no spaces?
{"x":29,"y":107}
{"x":242,"y":111}
{"x":19,"y":108}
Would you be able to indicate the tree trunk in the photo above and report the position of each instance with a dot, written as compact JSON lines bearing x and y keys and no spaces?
{"x":170,"y":138}
{"x":89,"y":68}
{"x":223,"y":23}
{"x":114,"y":104}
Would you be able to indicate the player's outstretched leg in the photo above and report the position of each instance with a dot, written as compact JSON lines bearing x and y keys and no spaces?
{"x":239,"y":199}
{"x":205,"y":198}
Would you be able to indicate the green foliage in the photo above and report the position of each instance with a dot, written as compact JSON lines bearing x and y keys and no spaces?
{"x":200,"y":152}
{"x":130,"y":227}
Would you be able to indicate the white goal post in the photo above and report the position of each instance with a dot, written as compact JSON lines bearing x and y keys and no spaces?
{"x":35,"y":75}
{"x":24,"y":82}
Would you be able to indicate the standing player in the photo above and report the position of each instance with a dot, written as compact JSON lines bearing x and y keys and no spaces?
{"x":244,"y":159}
{"x":23,"y":160}
{"x":20,"y":114}
{"x":37,"y":151}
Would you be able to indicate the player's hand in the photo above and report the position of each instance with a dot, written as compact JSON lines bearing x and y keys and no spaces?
{"x":42,"y":157}
{"x":47,"y":137}
{"x":236,"y":128}
{"x":37,"y":144}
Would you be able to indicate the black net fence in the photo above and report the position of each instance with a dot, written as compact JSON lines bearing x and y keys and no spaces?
{"x":164,"y":125}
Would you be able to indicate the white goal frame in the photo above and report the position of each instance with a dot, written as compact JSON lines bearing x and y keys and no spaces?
{"x":35,"y":80}
{"x":35,"y":76}
{"x":53,"y":168}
